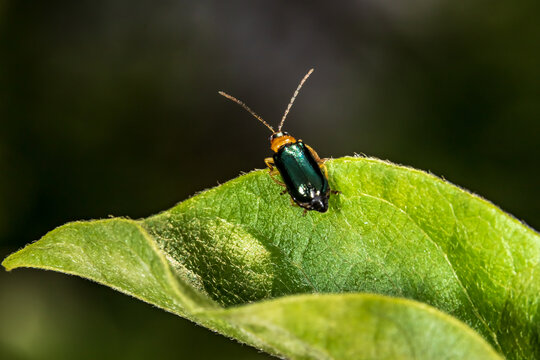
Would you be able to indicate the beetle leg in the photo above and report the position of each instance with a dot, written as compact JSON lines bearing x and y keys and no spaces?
{"x":273,"y":177}
{"x":273,"y":171}
{"x":336,"y":192}
{"x":294,"y":204}
{"x":283,"y":192}
{"x":322,"y":166}
{"x":269,"y":162}
{"x":315,"y":155}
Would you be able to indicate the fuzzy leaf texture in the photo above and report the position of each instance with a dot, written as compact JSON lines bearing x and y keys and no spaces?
{"x":403,"y":266}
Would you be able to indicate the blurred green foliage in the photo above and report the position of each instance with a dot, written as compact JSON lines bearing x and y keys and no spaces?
{"x":111,"y":107}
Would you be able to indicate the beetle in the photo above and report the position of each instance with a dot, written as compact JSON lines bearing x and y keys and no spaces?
{"x":304,"y":173}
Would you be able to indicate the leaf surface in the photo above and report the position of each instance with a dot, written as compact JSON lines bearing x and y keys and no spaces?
{"x":218,"y":257}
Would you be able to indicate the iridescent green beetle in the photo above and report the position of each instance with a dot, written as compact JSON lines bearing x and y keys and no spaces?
{"x":303,"y":172}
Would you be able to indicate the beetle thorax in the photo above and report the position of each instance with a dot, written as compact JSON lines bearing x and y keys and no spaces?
{"x":280,"y":139}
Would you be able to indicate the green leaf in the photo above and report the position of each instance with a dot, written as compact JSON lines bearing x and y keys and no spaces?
{"x":393,"y":231}
{"x":119,"y":253}
{"x":355,"y":326}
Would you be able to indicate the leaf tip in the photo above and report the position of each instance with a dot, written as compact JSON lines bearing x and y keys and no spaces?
{"x":8,"y":263}
{"x":13,"y":260}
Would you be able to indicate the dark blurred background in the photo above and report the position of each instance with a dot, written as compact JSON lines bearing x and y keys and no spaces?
{"x":111,"y":108}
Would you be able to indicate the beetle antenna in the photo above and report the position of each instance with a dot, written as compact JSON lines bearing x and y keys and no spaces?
{"x":293,"y":98}
{"x":232,"y":98}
